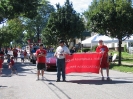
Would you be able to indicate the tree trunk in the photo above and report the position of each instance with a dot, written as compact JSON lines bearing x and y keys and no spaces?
{"x":119,"y":49}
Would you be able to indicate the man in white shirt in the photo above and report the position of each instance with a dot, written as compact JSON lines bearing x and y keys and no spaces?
{"x":60,"y":53}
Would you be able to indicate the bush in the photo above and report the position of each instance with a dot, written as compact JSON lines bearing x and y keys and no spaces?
{"x":125,"y":48}
{"x":86,"y":49}
{"x":94,"y":48}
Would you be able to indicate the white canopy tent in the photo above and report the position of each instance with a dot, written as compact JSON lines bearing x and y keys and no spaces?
{"x":95,"y":39}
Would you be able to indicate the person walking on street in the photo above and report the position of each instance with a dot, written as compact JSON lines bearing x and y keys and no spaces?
{"x":25,"y":54}
{"x":105,"y":62}
{"x":60,"y":53}
{"x":15,"y":54}
{"x":12,"y":66}
{"x":1,"y":63}
{"x":22,"y":56}
{"x":41,"y":61}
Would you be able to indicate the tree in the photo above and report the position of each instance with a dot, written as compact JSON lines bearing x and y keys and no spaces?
{"x":35,"y":26}
{"x":111,"y":17}
{"x":65,"y":24}
{"x":12,"y":31}
{"x":10,"y":9}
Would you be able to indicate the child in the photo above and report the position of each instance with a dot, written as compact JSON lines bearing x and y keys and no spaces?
{"x":1,"y":62}
{"x":8,"y":59}
{"x":22,"y":56}
{"x":12,"y":66}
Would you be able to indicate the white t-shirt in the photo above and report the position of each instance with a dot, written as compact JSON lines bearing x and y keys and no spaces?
{"x":61,"y":51}
{"x":21,"y":55}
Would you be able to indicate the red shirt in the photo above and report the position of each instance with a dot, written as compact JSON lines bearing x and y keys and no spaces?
{"x":15,"y":52}
{"x":25,"y":53}
{"x":1,"y":61}
{"x":41,"y":59}
{"x":12,"y":62}
{"x":103,"y":48}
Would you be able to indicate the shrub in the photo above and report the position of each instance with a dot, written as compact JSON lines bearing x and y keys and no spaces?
{"x":125,"y":48}
{"x":86,"y":49}
{"x":94,"y":48}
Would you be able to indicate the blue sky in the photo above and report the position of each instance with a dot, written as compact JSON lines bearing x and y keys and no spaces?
{"x":79,"y":5}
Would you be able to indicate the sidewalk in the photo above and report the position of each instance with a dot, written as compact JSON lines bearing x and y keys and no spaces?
{"x":78,"y":85}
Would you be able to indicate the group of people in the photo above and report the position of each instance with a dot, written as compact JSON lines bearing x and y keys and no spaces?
{"x":60,"y":53}
{"x":10,"y":62}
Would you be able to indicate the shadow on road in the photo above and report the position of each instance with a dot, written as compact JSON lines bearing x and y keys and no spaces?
{"x":99,"y":82}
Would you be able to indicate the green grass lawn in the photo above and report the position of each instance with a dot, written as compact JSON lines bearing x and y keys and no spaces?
{"x":126,"y":58}
{"x":122,"y":68}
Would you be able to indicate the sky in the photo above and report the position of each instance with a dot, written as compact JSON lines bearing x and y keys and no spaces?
{"x":78,"y":5}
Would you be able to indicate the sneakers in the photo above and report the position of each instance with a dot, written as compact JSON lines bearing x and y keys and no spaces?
{"x":64,"y":80}
{"x":109,"y":79}
{"x":37,"y":79}
{"x":42,"y":78}
{"x":57,"y":80}
{"x":102,"y":78}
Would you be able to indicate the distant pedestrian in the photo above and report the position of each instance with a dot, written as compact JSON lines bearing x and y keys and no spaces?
{"x":41,"y":61}
{"x":15,"y":54}
{"x":2,"y":55}
{"x":105,"y":62}
{"x":8,"y":58}
{"x":73,"y":50}
{"x":25,"y":54}
{"x":22,"y":56}
{"x":12,"y":66}
{"x":1,"y":63}
{"x":60,"y":53}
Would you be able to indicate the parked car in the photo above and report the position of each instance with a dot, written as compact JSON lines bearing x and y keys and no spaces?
{"x":50,"y":61}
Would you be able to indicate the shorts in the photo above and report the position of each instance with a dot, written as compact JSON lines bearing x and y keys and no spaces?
{"x":41,"y":66}
{"x":22,"y":58}
{"x":104,"y":62}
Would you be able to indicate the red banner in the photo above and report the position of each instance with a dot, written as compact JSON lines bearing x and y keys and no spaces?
{"x":83,"y":62}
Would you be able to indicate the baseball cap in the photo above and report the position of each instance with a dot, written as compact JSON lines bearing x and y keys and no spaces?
{"x":61,"y":41}
{"x":41,"y":45}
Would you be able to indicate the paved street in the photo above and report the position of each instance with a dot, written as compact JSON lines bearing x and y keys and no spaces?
{"x":78,"y":85}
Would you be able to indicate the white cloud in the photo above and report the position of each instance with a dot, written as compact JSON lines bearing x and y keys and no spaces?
{"x":79,"y":5}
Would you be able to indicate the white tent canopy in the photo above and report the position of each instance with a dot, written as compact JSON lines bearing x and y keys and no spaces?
{"x":130,"y":39}
{"x":97,"y":37}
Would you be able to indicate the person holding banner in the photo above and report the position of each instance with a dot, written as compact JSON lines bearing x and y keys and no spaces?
{"x":105,"y":62}
{"x":60,"y":53}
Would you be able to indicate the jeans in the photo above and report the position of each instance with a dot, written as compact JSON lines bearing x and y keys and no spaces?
{"x":60,"y":67}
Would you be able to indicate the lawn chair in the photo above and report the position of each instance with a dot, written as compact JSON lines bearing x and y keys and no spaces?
{"x":114,"y":58}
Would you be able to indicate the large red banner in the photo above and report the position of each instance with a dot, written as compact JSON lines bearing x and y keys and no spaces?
{"x":83,"y":62}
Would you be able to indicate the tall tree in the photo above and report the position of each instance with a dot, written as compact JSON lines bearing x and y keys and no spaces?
{"x":111,"y":17}
{"x":11,"y":31}
{"x":65,"y":24}
{"x":13,"y":8}
{"x":35,"y":26}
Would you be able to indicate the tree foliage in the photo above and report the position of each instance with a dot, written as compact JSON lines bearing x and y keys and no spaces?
{"x":11,"y":31}
{"x":10,"y":9}
{"x":65,"y":24}
{"x":35,"y":26}
{"x":111,"y":17}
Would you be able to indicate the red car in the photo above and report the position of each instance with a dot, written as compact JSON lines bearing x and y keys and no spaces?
{"x":50,"y":61}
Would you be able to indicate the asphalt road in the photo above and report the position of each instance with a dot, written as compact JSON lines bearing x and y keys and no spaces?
{"x":78,"y":85}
